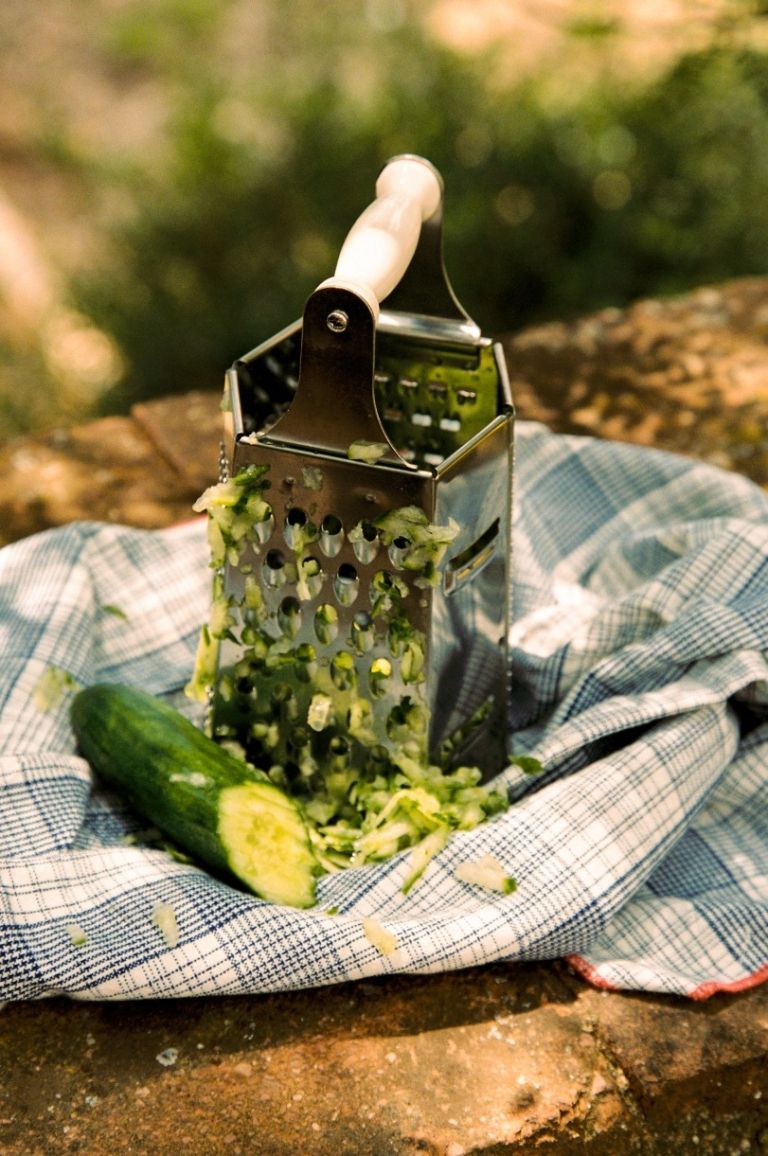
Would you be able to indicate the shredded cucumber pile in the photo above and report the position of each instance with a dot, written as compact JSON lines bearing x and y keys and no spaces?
{"x":350,"y":747}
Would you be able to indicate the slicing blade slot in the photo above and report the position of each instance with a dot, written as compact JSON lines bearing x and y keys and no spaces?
{"x":471,"y":561}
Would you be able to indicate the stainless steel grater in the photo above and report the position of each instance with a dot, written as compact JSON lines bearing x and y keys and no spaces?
{"x":340,"y":642}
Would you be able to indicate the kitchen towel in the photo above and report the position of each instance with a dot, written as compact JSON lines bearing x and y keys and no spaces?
{"x":639,"y":681}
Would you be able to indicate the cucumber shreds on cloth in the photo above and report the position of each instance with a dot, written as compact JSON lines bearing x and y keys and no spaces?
{"x":311,"y":727}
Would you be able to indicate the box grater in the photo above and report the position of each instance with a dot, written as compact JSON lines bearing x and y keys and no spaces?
{"x":354,"y":432}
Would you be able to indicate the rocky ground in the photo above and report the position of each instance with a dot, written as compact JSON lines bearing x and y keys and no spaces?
{"x":487,"y":1062}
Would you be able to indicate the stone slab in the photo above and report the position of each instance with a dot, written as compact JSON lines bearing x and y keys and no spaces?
{"x":145,"y":469}
{"x":503,"y":1059}
{"x":689,"y":374}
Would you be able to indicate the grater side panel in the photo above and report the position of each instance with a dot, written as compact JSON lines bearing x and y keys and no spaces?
{"x":472,"y":608}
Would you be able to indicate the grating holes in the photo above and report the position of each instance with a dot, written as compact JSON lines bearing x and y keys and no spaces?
{"x":378,"y":676}
{"x":297,"y":529}
{"x":450,"y":424}
{"x":263,"y":524}
{"x":346,"y":584}
{"x":421,"y":419}
{"x":386,"y":593}
{"x":331,"y":535}
{"x":397,"y":724}
{"x":363,"y":636}
{"x":398,"y":551}
{"x":289,"y":617}
{"x":274,"y":569}
{"x":343,"y":673}
{"x":310,"y":578}
{"x":406,"y":720}
{"x":299,"y":738}
{"x":365,"y":541}
{"x":306,"y":662}
{"x":338,"y":753}
{"x":326,"y":623}
{"x":360,"y":720}
{"x":284,"y":702}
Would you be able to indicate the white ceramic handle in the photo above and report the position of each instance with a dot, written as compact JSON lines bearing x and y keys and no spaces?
{"x":379,"y":246}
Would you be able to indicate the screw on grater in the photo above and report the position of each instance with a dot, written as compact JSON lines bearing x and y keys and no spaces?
{"x":337,"y":321}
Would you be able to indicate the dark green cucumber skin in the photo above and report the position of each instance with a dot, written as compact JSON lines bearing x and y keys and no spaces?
{"x":137,"y":743}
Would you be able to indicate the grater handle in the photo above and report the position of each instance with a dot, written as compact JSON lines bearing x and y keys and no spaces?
{"x":379,"y":246}
{"x":334,"y":408}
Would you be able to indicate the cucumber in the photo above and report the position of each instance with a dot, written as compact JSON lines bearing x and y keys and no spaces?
{"x":223,"y":812}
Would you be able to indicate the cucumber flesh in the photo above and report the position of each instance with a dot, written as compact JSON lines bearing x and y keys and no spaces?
{"x":266,"y":842}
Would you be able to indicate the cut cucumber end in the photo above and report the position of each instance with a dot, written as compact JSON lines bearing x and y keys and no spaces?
{"x":267,"y":844}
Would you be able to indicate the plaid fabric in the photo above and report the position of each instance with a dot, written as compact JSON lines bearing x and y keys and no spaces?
{"x":641,"y":854}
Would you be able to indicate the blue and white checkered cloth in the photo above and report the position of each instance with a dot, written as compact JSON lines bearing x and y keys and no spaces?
{"x":639,"y":649}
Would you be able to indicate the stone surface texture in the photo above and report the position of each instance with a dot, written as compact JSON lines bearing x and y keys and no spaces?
{"x":689,"y":374}
{"x":503,"y":1059}
{"x":143,"y":470}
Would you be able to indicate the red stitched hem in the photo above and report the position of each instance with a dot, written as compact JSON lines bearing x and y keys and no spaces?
{"x":705,"y":990}
{"x":589,"y":972}
{"x":702,"y":992}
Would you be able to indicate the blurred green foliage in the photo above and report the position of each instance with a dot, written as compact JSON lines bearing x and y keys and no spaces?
{"x":553,"y":207}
